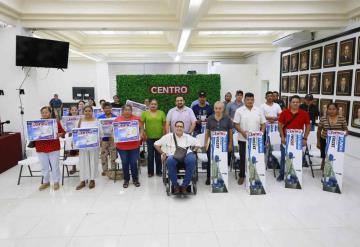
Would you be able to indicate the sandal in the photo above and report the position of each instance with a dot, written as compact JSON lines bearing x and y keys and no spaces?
{"x":126,"y":184}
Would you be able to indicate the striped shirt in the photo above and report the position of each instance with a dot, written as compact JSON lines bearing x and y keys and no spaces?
{"x":326,"y":125}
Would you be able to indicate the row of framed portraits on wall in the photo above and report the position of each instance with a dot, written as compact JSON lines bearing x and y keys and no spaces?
{"x":322,"y":57}
{"x":343,"y":106}
{"x":324,"y":83}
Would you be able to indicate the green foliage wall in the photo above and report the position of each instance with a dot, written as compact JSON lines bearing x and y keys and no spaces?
{"x":136,"y":87}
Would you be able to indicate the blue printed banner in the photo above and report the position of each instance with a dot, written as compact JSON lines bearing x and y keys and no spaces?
{"x":69,"y":122}
{"x":85,"y":138}
{"x":293,"y":159}
{"x":334,"y":161}
{"x":126,"y":131}
{"x":66,"y":111}
{"x":42,"y":129}
{"x":97,"y":112}
{"x":219,"y":163}
{"x":255,"y":168}
{"x":116,"y":111}
{"x":271,"y":127}
{"x":106,"y":126}
{"x":137,"y":108}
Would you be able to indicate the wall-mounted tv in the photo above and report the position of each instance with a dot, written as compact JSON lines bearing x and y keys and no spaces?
{"x":34,"y":52}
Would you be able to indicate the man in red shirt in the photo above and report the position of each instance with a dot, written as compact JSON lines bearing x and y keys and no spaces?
{"x":292,"y":118}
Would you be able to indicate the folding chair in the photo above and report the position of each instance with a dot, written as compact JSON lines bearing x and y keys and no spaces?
{"x":311,"y":151}
{"x":68,"y":160}
{"x":202,"y":156}
{"x":32,"y":163}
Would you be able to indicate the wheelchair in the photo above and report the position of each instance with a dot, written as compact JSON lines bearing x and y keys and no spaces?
{"x":192,"y":187}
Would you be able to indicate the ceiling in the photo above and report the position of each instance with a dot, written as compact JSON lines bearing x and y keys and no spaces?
{"x":174,"y":30}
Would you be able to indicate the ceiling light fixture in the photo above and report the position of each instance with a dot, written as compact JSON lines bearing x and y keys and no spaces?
{"x":183,"y":40}
{"x":84,"y":55}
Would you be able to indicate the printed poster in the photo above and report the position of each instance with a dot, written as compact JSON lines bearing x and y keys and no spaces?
{"x":116,"y":111}
{"x":97,"y":112}
{"x":106,"y":126}
{"x":219,"y":165}
{"x":269,"y":128}
{"x":137,"y":108}
{"x":293,"y":159}
{"x":255,"y":167}
{"x":334,"y":161}
{"x":84,"y":138}
{"x":126,"y":131}
{"x":69,"y":122}
{"x":66,"y":111}
{"x":42,"y":129}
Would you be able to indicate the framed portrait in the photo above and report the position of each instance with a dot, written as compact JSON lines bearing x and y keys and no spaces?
{"x":344,"y":82}
{"x":343,"y":108}
{"x":358,"y":51}
{"x":347,"y":52}
{"x":304,"y":60}
{"x":293,"y":84}
{"x":355,"y":117}
{"x":285,"y":99}
{"x":314,"y":87}
{"x":316,"y":58}
{"x":294,"y":62}
{"x":357,"y":83}
{"x":330,"y":55}
{"x":327,"y":86}
{"x":285,"y":64}
{"x":323,"y":106}
{"x":285,"y":84}
{"x":303,"y":84}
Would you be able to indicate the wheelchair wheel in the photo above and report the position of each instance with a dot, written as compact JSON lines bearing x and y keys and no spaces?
{"x":194,"y":188}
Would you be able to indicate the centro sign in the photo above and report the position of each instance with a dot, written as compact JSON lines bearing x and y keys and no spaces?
{"x":169,"y":89}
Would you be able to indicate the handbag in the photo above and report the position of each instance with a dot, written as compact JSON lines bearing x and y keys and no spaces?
{"x":180,"y":153}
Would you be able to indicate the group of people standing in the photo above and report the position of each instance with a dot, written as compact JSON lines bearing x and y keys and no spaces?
{"x":164,"y":133}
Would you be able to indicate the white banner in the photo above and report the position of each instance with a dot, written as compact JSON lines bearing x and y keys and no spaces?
{"x":255,"y":165}
{"x":42,"y":129}
{"x":219,"y":163}
{"x":293,"y":159}
{"x":84,"y":138}
{"x":334,"y":161}
{"x":137,"y":108}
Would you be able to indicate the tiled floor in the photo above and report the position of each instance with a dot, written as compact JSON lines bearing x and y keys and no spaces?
{"x":112,"y":216}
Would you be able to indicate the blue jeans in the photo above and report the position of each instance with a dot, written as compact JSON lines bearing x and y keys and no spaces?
{"x":189,"y":162}
{"x":151,"y":154}
{"x":282,"y":160}
{"x":129,"y":160}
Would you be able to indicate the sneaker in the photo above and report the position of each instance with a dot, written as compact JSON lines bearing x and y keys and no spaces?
{"x":44,"y":186}
{"x":81,"y":185}
{"x":207,"y":182}
{"x":56,"y":186}
{"x":92,"y":184}
{"x":280,"y":178}
{"x":241,"y":180}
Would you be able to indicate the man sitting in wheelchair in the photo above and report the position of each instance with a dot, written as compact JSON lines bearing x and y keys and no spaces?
{"x":176,"y":149}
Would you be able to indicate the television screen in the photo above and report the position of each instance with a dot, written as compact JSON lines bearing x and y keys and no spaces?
{"x":33,"y":52}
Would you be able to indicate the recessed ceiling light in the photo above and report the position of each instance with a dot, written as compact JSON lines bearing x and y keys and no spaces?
{"x":107,"y":32}
{"x":239,"y":33}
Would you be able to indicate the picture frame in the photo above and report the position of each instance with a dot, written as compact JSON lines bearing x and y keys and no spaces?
{"x":358,"y":51}
{"x":323,"y":106}
{"x":330,"y":56}
{"x":285,"y":64}
{"x":286,"y":100}
{"x":344,"y":82}
{"x":294,"y":62}
{"x":328,"y":81}
{"x":355,"y":116}
{"x":304,"y":60}
{"x":293,"y":82}
{"x":347,"y":52}
{"x":285,"y":84}
{"x":314,"y":83}
{"x":343,"y":108}
{"x":303,"y":84}
{"x":357,"y":83}
{"x":316,"y":58}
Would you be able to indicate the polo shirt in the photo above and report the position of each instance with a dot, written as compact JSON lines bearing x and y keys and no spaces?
{"x":200,"y":111}
{"x":185,"y":114}
{"x":232,"y":107}
{"x":298,"y":123}
{"x":55,"y":103}
{"x":128,"y":145}
{"x":224,"y":124}
{"x":103,"y":116}
{"x":249,"y":119}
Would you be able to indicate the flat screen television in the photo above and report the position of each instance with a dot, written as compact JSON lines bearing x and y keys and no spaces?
{"x":34,"y":52}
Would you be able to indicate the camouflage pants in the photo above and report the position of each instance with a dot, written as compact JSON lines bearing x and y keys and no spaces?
{"x":108,"y":148}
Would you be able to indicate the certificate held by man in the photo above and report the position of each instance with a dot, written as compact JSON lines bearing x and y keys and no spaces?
{"x":126,"y":131}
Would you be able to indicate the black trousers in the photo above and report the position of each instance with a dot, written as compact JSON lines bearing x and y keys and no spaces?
{"x":242,"y":152}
